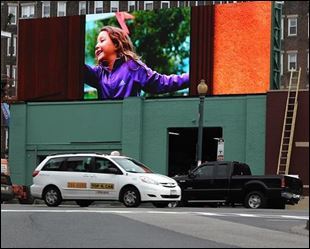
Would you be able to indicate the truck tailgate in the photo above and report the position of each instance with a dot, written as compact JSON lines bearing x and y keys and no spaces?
{"x":293,"y":185}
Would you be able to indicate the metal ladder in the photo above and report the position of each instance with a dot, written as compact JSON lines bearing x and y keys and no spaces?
{"x":289,"y":123}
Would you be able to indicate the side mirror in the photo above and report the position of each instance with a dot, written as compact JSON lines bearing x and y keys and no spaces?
{"x":191,"y":174}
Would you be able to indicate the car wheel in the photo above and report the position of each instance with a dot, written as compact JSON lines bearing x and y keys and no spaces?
{"x":130,"y":197}
{"x":160,"y":204}
{"x":84,"y":203}
{"x":52,"y":197}
{"x":255,"y":199}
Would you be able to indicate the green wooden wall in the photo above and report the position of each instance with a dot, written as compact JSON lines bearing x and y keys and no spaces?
{"x":137,"y":127}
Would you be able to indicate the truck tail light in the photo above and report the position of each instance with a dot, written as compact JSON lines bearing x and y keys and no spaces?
{"x":35,"y":173}
{"x":283,"y":182}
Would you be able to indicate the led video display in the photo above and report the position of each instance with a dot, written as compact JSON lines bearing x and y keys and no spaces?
{"x":143,"y":53}
{"x":242,"y":37}
{"x":159,"y":53}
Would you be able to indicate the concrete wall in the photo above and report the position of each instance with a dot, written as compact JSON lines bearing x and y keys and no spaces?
{"x":135,"y":126}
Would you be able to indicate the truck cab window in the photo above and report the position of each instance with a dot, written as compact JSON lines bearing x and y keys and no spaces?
{"x":204,"y":171}
{"x":237,"y":170}
{"x":221,"y":170}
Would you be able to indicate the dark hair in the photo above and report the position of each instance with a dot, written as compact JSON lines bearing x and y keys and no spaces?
{"x":122,"y":42}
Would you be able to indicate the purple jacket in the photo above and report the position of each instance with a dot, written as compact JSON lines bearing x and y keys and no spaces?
{"x":129,"y":78}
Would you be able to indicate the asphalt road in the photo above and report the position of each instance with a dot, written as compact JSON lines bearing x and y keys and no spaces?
{"x":108,"y":226}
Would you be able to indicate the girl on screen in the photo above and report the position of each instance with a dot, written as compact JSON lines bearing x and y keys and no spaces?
{"x":120,"y":73}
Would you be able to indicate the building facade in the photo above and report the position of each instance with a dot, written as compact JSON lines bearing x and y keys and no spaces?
{"x":295,"y":42}
{"x":294,"y":33}
{"x":162,"y":133}
{"x":295,"y":54}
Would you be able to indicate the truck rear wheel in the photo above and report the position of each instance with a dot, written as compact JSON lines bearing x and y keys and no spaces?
{"x":255,"y":199}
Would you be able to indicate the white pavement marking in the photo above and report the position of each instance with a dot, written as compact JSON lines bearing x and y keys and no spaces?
{"x":295,"y":217}
{"x":247,"y":215}
{"x":209,"y":214}
{"x":292,"y":217}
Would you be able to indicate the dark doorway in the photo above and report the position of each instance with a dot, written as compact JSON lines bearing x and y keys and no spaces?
{"x":182,"y":148}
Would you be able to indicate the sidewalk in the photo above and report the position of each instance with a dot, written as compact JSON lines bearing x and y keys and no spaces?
{"x":303,"y":204}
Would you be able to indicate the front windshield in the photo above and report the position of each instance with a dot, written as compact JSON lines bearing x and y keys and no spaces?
{"x":132,"y":166}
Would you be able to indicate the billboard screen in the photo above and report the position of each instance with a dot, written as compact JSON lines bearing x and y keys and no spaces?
{"x":242,"y":50}
{"x":144,"y":53}
{"x":159,"y":53}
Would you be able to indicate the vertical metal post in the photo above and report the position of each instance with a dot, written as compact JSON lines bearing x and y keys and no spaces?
{"x":200,"y":128}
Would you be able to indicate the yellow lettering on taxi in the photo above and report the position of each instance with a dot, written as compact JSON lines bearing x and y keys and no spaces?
{"x":76,"y":184}
{"x":102,"y":185}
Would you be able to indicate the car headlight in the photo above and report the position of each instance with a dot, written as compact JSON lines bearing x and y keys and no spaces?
{"x":148,"y":180}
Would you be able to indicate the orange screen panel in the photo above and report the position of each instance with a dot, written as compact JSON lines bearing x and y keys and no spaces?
{"x":242,"y":39}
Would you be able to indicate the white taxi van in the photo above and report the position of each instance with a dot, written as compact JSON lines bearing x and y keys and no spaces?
{"x":85,"y":178}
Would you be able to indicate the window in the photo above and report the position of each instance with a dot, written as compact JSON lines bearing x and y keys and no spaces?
{"x":292,"y":26}
{"x":194,"y":3}
{"x":307,"y":84}
{"x":182,"y":4}
{"x":8,"y":50}
{"x":282,"y":28}
{"x":5,"y":179}
{"x":61,"y":8}
{"x":131,"y":165}
{"x":148,"y":5}
{"x":8,"y":71}
{"x":14,"y":44}
{"x":292,"y":61}
{"x":53,"y":164}
{"x":12,"y":13}
{"x":241,"y":169}
{"x":103,"y":165}
{"x":114,"y":6}
{"x":14,"y":76}
{"x":165,"y":4}
{"x":221,"y":2}
{"x":98,"y":7}
{"x":222,"y":170}
{"x":77,"y":164}
{"x":308,"y":62}
{"x":281,"y":62}
{"x":82,"y":7}
{"x":204,"y":171}
{"x":131,"y":6}
{"x":46,"y":8}
{"x":199,"y":3}
{"x":27,"y":11}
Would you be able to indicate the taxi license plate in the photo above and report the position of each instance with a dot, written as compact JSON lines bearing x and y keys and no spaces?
{"x":173,"y":192}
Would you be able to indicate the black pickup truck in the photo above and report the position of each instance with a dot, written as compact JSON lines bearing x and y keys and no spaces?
{"x":232,"y":183}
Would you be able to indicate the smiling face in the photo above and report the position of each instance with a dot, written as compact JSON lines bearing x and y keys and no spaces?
{"x":105,"y":49}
